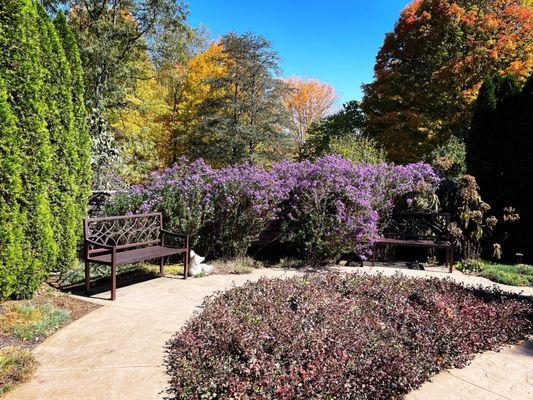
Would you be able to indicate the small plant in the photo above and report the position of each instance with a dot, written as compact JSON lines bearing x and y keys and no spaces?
{"x":30,"y":322}
{"x":515,"y":275}
{"x":337,"y":336}
{"x":16,"y":365}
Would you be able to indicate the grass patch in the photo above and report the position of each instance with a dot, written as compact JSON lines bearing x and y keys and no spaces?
{"x":514,"y":275}
{"x":237,"y":266}
{"x":16,"y":365}
{"x":29,"y":322}
{"x":337,"y":336}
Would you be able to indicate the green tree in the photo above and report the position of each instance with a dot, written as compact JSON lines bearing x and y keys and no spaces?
{"x":246,"y":116}
{"x":519,"y":162}
{"x":112,"y":36}
{"x":81,"y":134}
{"x":489,"y":137}
{"x":61,"y":126}
{"x":344,"y":125}
{"x":21,"y":70}
{"x":429,"y":69}
{"x":12,"y":260}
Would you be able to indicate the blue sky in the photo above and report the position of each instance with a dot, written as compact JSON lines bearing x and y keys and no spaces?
{"x":335,"y":41}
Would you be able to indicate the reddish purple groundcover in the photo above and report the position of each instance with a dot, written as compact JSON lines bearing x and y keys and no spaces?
{"x":334,"y":336}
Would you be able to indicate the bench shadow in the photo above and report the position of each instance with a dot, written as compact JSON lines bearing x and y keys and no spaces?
{"x":103,"y":284}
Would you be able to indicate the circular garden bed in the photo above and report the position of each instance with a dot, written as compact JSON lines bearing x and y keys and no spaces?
{"x":334,"y":336}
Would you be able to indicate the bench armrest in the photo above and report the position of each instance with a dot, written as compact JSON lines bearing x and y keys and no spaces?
{"x":105,"y":246}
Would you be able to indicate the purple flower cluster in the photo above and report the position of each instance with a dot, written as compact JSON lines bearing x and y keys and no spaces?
{"x":326,"y":207}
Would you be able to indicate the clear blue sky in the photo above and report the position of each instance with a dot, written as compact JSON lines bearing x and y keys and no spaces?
{"x":335,"y":41}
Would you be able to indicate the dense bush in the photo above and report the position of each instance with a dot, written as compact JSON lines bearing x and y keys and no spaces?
{"x":325,"y":207}
{"x":42,"y":163}
{"x":337,"y":337}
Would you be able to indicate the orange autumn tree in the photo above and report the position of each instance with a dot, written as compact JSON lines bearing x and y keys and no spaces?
{"x":308,"y":101}
{"x":429,"y":70}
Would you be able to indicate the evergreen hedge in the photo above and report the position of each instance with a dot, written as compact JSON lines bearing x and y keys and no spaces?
{"x":41,"y":206}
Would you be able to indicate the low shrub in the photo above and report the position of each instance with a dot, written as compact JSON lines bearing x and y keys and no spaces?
{"x":335,"y":336}
{"x":325,"y":207}
{"x":515,"y":275}
{"x":16,"y":366}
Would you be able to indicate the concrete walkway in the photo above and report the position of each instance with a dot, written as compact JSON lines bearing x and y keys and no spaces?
{"x":116,"y":351}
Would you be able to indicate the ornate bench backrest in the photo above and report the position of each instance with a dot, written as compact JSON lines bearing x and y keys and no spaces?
{"x":418,"y":226}
{"x":124,"y":231}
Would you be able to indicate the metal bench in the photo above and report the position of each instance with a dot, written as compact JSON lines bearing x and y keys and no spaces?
{"x":425,"y":230}
{"x":128,"y":239}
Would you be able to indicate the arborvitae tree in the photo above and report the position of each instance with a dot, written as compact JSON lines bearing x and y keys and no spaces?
{"x":82,"y":136}
{"x":60,"y":122}
{"x":507,"y":93}
{"x":489,"y":137}
{"x":519,"y":154}
{"x":477,"y":148}
{"x":11,"y":219}
{"x":21,"y":70}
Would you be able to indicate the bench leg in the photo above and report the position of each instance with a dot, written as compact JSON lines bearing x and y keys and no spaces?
{"x":87,"y":277}
{"x":374,"y":247}
{"x":161,"y":266}
{"x":186,"y":265}
{"x":113,"y":282}
{"x":451,"y":259}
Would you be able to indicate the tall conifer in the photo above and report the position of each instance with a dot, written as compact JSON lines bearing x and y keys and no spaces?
{"x":11,"y":219}
{"x":21,"y":70}
{"x":60,"y":122}
{"x":82,"y":135}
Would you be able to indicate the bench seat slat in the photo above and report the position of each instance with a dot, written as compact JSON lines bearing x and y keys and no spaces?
{"x":136,"y":255}
{"x":412,"y":242}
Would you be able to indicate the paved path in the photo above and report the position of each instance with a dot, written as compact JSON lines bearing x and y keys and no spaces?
{"x":115,"y":352}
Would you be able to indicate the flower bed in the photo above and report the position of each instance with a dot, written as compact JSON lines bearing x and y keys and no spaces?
{"x":335,"y":336}
{"x":325,"y":207}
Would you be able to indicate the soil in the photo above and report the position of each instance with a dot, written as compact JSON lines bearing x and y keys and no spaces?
{"x":47,"y":295}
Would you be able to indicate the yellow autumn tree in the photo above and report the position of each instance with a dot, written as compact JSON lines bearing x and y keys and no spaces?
{"x":308,"y":101}
{"x":140,"y":126}
{"x":195,"y":89}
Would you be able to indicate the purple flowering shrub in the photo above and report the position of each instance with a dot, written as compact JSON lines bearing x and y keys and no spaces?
{"x":325,"y":208}
{"x":335,"y":336}
{"x":328,"y":210}
{"x":244,"y":200}
{"x":334,"y":206}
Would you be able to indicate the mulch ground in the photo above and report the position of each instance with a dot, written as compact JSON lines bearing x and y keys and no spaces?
{"x":47,"y":295}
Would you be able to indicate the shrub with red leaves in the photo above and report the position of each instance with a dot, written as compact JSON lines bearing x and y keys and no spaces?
{"x":334,"y":336}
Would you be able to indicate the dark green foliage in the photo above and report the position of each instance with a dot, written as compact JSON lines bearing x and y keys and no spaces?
{"x":12,"y":221}
{"x":337,"y":336}
{"x":488,"y":138}
{"x":21,"y":69}
{"x":343,"y":124}
{"x":248,"y":119}
{"x":82,"y":136}
{"x":60,"y":123}
{"x":520,"y":167}
{"x":41,"y":208}
{"x":520,"y":152}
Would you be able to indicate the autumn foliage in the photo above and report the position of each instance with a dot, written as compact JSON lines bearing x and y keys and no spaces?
{"x":429,"y":69}
{"x":308,"y":101}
